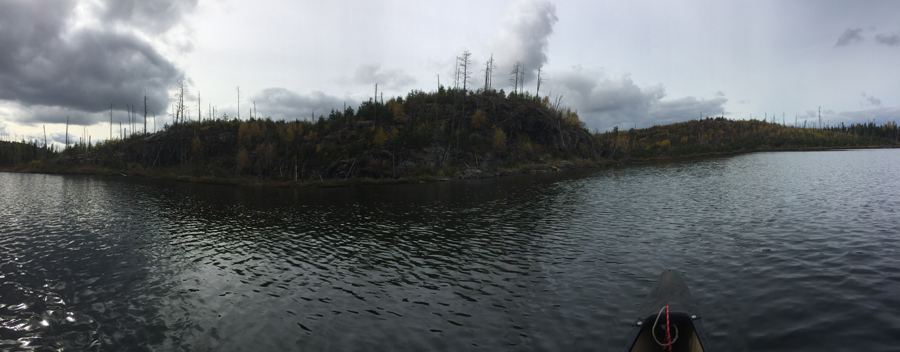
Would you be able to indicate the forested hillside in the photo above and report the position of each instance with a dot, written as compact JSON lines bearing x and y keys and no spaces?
{"x":444,"y":134}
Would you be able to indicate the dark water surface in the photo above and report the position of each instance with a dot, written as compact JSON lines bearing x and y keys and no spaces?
{"x":783,"y":251}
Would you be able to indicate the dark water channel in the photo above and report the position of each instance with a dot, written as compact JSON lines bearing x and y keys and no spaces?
{"x":783,"y":251}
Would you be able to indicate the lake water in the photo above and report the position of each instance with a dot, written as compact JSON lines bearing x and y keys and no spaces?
{"x":792,"y":251}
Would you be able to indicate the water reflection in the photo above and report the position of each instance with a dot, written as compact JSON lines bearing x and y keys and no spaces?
{"x":780,"y":249}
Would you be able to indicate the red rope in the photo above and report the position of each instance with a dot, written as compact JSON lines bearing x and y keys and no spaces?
{"x":668,"y":334}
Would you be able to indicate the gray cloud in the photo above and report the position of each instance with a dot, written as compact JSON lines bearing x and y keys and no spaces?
{"x":523,"y":37}
{"x":604,"y":102}
{"x":880,"y":115}
{"x":47,"y":64}
{"x":850,"y":36}
{"x":393,"y":79}
{"x":888,"y":40}
{"x":154,"y":16}
{"x":871,"y":100}
{"x":283,"y":104}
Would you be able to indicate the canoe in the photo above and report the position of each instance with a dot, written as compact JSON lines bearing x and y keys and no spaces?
{"x":685,"y":327}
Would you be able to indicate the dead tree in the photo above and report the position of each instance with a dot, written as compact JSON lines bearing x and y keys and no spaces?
{"x":464,"y":62}
{"x":514,"y":76}
{"x":488,"y":73}
{"x":145,"y":113}
{"x":537,"y":92}
{"x":522,"y":81}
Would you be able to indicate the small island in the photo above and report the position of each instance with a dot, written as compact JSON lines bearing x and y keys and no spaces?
{"x":440,"y":135}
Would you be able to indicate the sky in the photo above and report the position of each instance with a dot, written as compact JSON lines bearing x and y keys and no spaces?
{"x":618,"y":63}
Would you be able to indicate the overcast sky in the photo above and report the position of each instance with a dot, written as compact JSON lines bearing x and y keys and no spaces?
{"x":619,"y":63}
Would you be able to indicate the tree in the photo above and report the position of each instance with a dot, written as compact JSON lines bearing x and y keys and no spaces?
{"x":241,"y":161}
{"x":478,"y":119}
{"x":396,"y":109}
{"x":514,"y":76}
{"x":145,"y":111}
{"x":488,"y":73}
{"x":464,"y":62}
{"x":196,"y":149}
{"x":499,"y":140}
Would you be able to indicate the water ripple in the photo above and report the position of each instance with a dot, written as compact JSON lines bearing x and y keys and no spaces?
{"x":780,"y":250}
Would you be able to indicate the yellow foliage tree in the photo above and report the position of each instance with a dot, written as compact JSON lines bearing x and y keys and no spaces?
{"x":380,"y":137}
{"x":241,"y":161}
{"x":499,"y":140}
{"x":478,"y":119}
{"x":397,"y":109}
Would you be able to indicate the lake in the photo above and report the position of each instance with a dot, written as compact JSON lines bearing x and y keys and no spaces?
{"x":789,"y":251}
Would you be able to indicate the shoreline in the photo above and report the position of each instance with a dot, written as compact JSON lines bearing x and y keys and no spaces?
{"x":468,"y":173}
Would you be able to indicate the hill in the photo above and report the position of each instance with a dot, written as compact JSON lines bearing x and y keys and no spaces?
{"x":444,"y":134}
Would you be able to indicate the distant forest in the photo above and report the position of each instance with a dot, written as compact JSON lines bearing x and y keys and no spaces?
{"x":451,"y":132}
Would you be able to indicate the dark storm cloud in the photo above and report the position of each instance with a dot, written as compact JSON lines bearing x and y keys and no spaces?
{"x":604,"y":102}
{"x":392,"y":79}
{"x":39,"y":114}
{"x":850,"y":36}
{"x":48,"y":67}
{"x":283,"y":104}
{"x":523,"y":37}
{"x":888,"y":40}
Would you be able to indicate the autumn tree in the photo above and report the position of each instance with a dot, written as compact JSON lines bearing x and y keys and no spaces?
{"x":499,"y":140}
{"x":241,"y":161}
{"x":478,"y":119}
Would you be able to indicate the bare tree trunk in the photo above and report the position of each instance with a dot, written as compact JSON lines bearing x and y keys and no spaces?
{"x":515,"y":77}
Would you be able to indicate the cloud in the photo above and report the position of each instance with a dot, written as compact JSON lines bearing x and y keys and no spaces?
{"x":888,"y":40}
{"x":604,"y":102}
{"x":49,"y":63}
{"x":392,"y":79}
{"x":283,"y":104}
{"x":871,"y":100}
{"x":523,"y":37}
{"x":850,"y":36}
{"x":153,"y":16}
{"x":880,"y":115}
